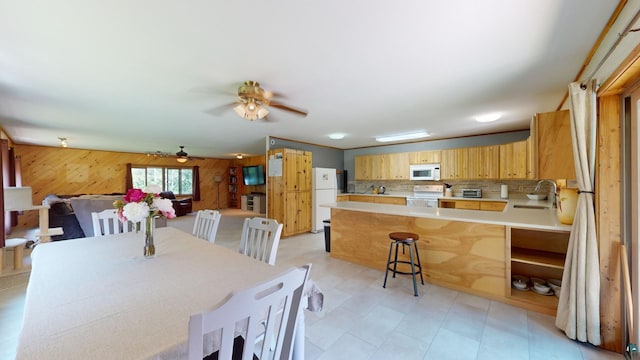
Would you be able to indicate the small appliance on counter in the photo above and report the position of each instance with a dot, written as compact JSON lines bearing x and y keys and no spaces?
{"x":471,"y":193}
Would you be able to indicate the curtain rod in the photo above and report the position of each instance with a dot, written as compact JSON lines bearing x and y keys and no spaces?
{"x":624,"y":33}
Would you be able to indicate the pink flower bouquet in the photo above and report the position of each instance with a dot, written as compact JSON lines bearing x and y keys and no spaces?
{"x":139,"y":204}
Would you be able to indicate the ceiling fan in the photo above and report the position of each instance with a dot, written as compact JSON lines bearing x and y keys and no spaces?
{"x":182,"y":156}
{"x":253,"y":102}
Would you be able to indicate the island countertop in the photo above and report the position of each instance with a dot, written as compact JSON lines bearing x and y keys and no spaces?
{"x":543,"y":219}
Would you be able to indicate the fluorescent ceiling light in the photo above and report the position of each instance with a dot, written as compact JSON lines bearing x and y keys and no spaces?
{"x":336,"y":136}
{"x":415,"y":135}
{"x":488,"y":117}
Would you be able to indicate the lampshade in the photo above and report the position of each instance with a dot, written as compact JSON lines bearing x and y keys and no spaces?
{"x":182,"y":159}
{"x":251,"y":110}
{"x":18,"y":198}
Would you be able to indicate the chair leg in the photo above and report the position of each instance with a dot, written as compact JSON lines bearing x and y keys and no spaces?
{"x":386,"y":272}
{"x":395,"y":261}
{"x":413,"y":272}
{"x":419,"y":263}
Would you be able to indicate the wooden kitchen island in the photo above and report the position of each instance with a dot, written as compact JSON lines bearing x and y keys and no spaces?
{"x":465,"y":250}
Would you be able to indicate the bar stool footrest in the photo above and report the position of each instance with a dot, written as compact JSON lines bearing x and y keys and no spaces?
{"x":416,"y":266}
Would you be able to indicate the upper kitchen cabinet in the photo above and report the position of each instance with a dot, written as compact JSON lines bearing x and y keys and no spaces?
{"x":453,"y":164}
{"x":478,"y":162}
{"x":513,"y":160}
{"x":362,"y":166}
{"x":551,"y":136}
{"x":371,"y":167}
{"x":382,"y":167}
{"x":482,"y":162}
{"x":532,"y":167}
{"x":397,"y":166}
{"x":424,"y":157}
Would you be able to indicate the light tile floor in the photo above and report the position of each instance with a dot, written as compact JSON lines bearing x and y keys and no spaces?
{"x":361,"y":320}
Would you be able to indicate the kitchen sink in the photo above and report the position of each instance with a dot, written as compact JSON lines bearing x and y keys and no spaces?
{"x":522,"y":206}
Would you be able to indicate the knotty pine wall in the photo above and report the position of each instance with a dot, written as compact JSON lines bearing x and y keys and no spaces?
{"x":64,"y":171}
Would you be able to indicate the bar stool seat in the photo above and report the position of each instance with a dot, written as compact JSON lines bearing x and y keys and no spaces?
{"x":404,"y":239}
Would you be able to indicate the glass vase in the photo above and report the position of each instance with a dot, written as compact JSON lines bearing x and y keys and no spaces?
{"x":149,"y":247}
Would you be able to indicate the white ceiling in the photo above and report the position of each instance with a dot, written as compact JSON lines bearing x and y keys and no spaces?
{"x":144,"y":75}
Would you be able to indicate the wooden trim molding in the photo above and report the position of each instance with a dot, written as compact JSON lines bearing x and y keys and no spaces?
{"x":625,"y":75}
{"x":608,"y":220}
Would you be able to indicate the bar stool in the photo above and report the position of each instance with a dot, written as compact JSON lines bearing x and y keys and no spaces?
{"x":404,"y":239}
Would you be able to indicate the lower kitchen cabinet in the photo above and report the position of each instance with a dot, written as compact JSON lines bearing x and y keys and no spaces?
{"x":535,"y":253}
{"x":392,"y":200}
{"x":472,"y":204}
{"x":383,"y":199}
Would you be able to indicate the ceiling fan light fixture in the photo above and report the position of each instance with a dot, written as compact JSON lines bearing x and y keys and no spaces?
{"x":409,"y":136}
{"x":239,"y":156}
{"x":251,"y":110}
{"x":182,"y":155}
{"x":63,"y":142}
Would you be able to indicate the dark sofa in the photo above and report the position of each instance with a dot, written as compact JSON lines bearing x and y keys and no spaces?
{"x":181,"y":206}
{"x":73,"y":213}
{"x":61,"y":214}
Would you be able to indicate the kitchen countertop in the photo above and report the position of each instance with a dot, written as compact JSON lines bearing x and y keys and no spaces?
{"x":544,"y":219}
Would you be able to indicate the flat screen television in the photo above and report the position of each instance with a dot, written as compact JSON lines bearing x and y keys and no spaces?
{"x":253,"y":175}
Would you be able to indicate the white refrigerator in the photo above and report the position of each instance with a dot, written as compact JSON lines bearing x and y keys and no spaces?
{"x":324,"y":189}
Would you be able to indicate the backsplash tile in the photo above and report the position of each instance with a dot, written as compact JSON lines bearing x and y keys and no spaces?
{"x":489,"y":187}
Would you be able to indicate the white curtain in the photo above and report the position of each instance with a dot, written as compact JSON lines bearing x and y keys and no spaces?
{"x":579,"y":304}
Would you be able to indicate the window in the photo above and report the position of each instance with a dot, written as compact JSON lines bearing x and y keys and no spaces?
{"x":177,"y":180}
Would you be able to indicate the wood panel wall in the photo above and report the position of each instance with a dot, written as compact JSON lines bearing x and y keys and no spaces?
{"x":64,"y":171}
{"x":608,"y":220}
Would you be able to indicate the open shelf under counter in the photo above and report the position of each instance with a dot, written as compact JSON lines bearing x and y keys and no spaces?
{"x":530,"y":297}
{"x":537,"y":257}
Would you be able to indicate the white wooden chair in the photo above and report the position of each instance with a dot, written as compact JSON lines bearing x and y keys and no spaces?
{"x":106,"y":222}
{"x":206,"y":225}
{"x":260,"y":239}
{"x":269,"y":309}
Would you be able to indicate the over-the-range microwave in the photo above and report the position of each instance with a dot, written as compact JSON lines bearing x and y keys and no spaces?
{"x":424,"y":172}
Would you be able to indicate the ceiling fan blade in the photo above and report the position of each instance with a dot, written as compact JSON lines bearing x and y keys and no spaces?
{"x":287,"y":108}
{"x":220,"y":109}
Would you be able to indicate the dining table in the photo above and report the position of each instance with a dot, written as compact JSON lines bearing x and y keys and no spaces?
{"x":100,"y":298}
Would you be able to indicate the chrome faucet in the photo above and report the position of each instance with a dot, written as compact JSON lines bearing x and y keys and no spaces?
{"x":555,"y":189}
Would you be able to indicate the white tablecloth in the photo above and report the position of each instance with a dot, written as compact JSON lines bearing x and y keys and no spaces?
{"x":99,"y":298}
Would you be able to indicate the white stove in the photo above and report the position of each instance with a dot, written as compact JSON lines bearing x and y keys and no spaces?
{"x":425,"y":196}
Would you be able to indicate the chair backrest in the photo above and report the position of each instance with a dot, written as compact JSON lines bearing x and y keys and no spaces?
{"x":268,"y":310}
{"x":206,"y":225}
{"x":106,"y":222}
{"x":260,"y":239}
